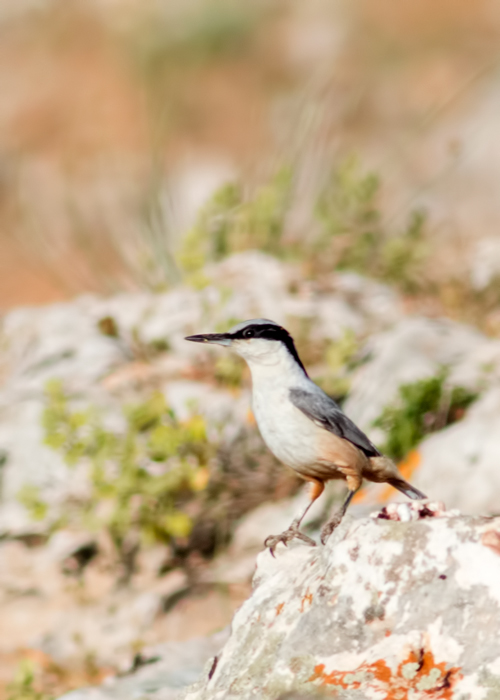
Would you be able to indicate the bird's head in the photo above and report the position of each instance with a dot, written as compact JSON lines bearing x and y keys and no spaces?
{"x":258,"y":341}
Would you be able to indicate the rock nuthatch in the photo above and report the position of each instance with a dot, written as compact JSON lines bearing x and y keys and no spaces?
{"x":302,"y":426}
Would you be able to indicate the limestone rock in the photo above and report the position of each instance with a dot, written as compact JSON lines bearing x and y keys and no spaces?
{"x":164,"y":670}
{"x":237,"y":564}
{"x":385,"y":609}
{"x":460,"y":463}
{"x":485,"y":263}
{"x":413,"y":349}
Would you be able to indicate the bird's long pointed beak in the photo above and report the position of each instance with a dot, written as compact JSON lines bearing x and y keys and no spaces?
{"x":214,"y":338}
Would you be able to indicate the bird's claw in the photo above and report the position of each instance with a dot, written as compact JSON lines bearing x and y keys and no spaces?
{"x":329,"y":527}
{"x":292,"y":533}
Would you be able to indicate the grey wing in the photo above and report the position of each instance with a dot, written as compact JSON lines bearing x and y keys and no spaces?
{"x":323,"y":410}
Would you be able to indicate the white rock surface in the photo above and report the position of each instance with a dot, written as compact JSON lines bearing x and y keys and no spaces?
{"x":71,"y":618}
{"x":385,"y":610}
{"x":373,"y":577}
{"x":416,"y":348}
{"x":177,"y":664}
{"x":237,"y":563}
{"x":458,"y":465}
{"x":461,"y":464}
{"x":485,"y":262}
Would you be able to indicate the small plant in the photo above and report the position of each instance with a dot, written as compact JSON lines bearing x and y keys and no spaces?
{"x":402,"y":255}
{"x":29,"y":496}
{"x":229,"y":370}
{"x":139,"y":479}
{"x":208,"y":239}
{"x":340,"y":359}
{"x":195,"y":33}
{"x":229,"y":222}
{"x":350,"y":218}
{"x":422,"y":407}
{"x":130,"y":343}
{"x":24,"y":686}
{"x":353,"y":236}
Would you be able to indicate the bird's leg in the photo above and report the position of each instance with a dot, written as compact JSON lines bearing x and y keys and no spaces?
{"x":336,"y":519}
{"x":293,"y":531}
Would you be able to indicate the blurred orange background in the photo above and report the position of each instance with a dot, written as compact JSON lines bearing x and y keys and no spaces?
{"x":119,"y":118}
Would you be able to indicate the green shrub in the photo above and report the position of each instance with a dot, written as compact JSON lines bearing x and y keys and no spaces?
{"x":229,"y":370}
{"x":422,"y":407}
{"x":29,"y":496}
{"x":348,"y":212}
{"x":159,"y":479}
{"x":403,"y":255}
{"x":139,"y":479}
{"x":340,"y":359}
{"x":353,"y":235}
{"x":197,"y":33}
{"x":229,"y":223}
{"x":23,"y":687}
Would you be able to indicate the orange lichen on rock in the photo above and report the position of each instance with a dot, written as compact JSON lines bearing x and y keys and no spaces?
{"x":307,"y":598}
{"x":279,"y":608}
{"x":418,"y":676}
{"x":491,"y":539}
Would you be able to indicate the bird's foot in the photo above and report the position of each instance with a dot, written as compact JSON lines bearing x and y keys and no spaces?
{"x":292,"y":533}
{"x":330,"y":526}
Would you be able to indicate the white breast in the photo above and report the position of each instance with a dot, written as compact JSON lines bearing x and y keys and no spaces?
{"x":288,"y":433}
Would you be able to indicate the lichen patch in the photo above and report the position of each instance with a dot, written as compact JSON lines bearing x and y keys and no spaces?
{"x":417,"y":673}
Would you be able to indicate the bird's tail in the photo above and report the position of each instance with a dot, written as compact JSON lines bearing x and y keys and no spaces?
{"x":383,"y":469}
{"x":401,"y":485}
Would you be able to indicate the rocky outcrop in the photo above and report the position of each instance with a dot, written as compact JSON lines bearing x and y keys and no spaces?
{"x":391,"y":607}
{"x":148,"y":353}
{"x":458,"y":464}
{"x":64,"y":341}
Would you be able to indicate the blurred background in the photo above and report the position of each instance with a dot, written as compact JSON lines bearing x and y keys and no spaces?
{"x":120,"y":119}
{"x":144,"y":148}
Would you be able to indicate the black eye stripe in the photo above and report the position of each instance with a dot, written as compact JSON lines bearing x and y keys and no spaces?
{"x":270,"y":332}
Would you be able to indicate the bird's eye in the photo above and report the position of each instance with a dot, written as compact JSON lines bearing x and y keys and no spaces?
{"x":249,"y":333}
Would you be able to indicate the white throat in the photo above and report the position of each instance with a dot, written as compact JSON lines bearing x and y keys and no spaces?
{"x":270,"y":362}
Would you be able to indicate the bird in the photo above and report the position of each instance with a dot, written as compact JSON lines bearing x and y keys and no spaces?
{"x":302,"y":425}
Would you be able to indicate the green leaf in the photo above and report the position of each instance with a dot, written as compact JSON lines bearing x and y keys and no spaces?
{"x":29,"y":497}
{"x":178,"y":524}
{"x":132,"y":496}
{"x":421,"y":408}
